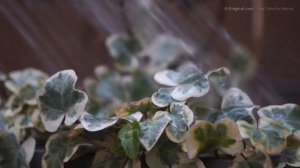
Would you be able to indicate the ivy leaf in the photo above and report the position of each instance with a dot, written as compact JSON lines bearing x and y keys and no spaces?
{"x":188,"y":82}
{"x":182,"y":117}
{"x":11,"y":154}
{"x":129,"y":139}
{"x":254,"y":159}
{"x":151,"y":130}
{"x":60,"y":99}
{"x":94,"y":123}
{"x":236,"y":105}
{"x":28,"y":77}
{"x":163,"y":50}
{"x":287,"y":115}
{"x":59,"y":149}
{"x":123,"y":49}
{"x":162,"y":97}
{"x":269,"y":137}
{"x":205,"y":136}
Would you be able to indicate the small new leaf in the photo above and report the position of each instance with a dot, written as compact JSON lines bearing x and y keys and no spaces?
{"x":129,"y":139}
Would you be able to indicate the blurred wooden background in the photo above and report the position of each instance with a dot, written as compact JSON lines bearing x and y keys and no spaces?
{"x":55,"y":35}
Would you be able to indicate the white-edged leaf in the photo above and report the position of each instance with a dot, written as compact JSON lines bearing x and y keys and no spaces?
{"x":288,"y":115}
{"x":191,"y":88}
{"x":152,"y":129}
{"x":167,"y":77}
{"x":182,"y":117}
{"x":137,"y":116}
{"x":162,"y":97}
{"x":60,"y":98}
{"x":94,"y":123}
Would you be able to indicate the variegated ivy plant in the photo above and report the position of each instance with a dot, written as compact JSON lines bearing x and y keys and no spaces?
{"x":126,"y":120}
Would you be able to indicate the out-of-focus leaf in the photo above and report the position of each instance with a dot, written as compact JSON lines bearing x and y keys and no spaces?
{"x":59,"y":149}
{"x":145,"y":106}
{"x":28,"y":77}
{"x":141,"y":85}
{"x":29,"y":147}
{"x":123,"y":50}
{"x":104,"y":159}
{"x":236,"y":105}
{"x":60,"y":99}
{"x":269,"y":137}
{"x":252,"y":159}
{"x":133,"y":163}
{"x":287,"y":115}
{"x":129,"y":136}
{"x":2,"y":76}
{"x":151,"y":130}
{"x":11,"y":154}
{"x":108,"y":90}
{"x":205,"y":136}
{"x":182,"y":117}
{"x":163,"y":50}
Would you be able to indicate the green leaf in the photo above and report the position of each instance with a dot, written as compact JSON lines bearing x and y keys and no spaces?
{"x":94,"y":123}
{"x":123,"y":49}
{"x":129,"y":139}
{"x":287,"y":115}
{"x":205,"y":136}
{"x":151,"y":130}
{"x":11,"y":154}
{"x":59,"y":149}
{"x":269,"y":137}
{"x":182,"y":117}
{"x":253,"y":159}
{"x":60,"y":99}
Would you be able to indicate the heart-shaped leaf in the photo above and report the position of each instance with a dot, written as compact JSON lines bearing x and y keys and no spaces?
{"x":182,"y":117}
{"x":205,"y":136}
{"x":60,"y":99}
{"x":152,"y":129}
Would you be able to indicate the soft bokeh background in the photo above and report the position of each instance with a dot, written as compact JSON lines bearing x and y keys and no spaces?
{"x":55,"y":35}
